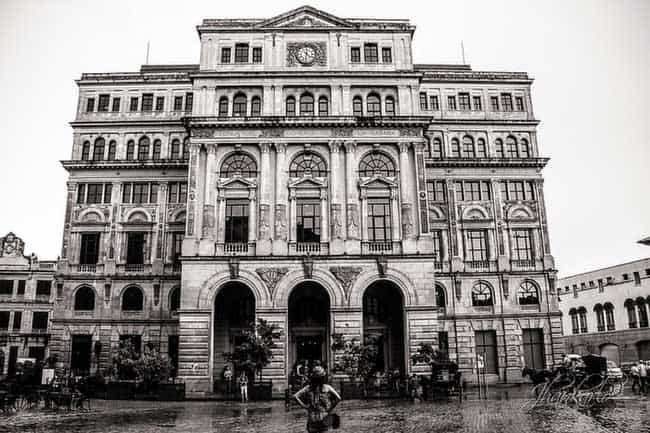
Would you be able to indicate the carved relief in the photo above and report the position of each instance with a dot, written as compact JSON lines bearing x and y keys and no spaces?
{"x":410,"y":132}
{"x":265,"y":228}
{"x":272,"y":133}
{"x":208,"y":221}
{"x":346,"y":275}
{"x":190,"y":219}
{"x":306,"y":54}
{"x":280,"y":222}
{"x":337,"y":224}
{"x":407,"y":221}
{"x":353,"y":221}
{"x":271,"y":277}
{"x":11,"y":246}
{"x":342,"y":132}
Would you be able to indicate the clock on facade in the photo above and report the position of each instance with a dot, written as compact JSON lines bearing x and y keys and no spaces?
{"x":306,"y":55}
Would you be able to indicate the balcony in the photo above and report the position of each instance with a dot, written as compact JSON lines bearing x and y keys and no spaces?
{"x":134,"y":267}
{"x":87,"y":268}
{"x":478,"y":265}
{"x":240,"y":248}
{"x":522,"y":264}
{"x":308,"y":247}
{"x":42,"y":299}
{"x":388,"y":247}
{"x":437,"y":265}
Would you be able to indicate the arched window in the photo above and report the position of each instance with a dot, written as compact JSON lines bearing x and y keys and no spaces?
{"x":186,"y":148}
{"x":357,"y":106}
{"x":306,"y":105}
{"x":631,"y":313}
{"x":176,"y":149}
{"x":643,"y":312}
{"x":609,"y":316}
{"x":291,"y":106}
{"x":239,"y":105}
{"x":528,"y":294}
{"x":376,"y":164}
{"x":143,"y":149}
{"x":98,"y":150}
{"x":389,"y":106}
{"x":481,"y":149}
{"x":525,"y":149}
{"x":468,"y":147}
{"x":455,"y":148}
{"x":323,"y":106}
{"x":130,"y":150}
{"x":112,"y":150}
{"x":175,"y":299}
{"x":600,"y":317}
{"x":256,"y":106}
{"x":84,"y":299}
{"x":85,"y":151}
{"x":498,"y":148}
{"x":132,"y":299}
{"x":511,"y":148}
{"x":436,"y":148}
{"x":238,"y":164}
{"x":223,"y":106}
{"x":308,"y":164}
{"x":574,"y":321}
{"x":157,"y":149}
{"x":373,"y":105}
{"x":582,"y":313}
{"x":482,"y":295}
{"x":441,"y":298}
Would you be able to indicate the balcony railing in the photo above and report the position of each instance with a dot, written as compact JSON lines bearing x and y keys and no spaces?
{"x":308,"y":247}
{"x":437,"y":265}
{"x":235,"y":247}
{"x":523,"y":264}
{"x":378,"y":247}
{"x":42,"y":298}
{"x":133,"y":267}
{"x":87,"y":268}
{"x":478,"y":264}
{"x":176,"y":267}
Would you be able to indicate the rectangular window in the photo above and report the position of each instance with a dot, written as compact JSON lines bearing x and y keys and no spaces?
{"x":147,"y":102}
{"x":476,"y":103}
{"x":39,"y":321}
{"x":116,"y":105}
{"x":4,"y":320}
{"x":477,"y":245}
{"x":517,"y":190}
{"x":637,"y":279}
{"x":18,"y":319}
{"x":355,"y":55}
{"x":436,"y":190}
{"x":519,"y":103}
{"x":177,"y":246}
{"x":140,"y":193}
{"x":506,"y":101}
{"x":6,"y":287}
{"x":237,"y":221}
{"x":177,"y":192}
{"x":533,"y":345}
{"x":160,"y":103}
{"x":494,"y":103}
{"x":257,"y":54}
{"x":486,"y":348}
{"x":522,"y":245}
{"x":370,"y":54}
{"x":473,"y":190}
{"x":95,"y":191}
{"x":133,"y":104}
{"x":81,"y":193}
{"x":433,"y":102}
{"x":90,"y":105}
{"x":225,"y":55}
{"x":153,"y":193}
{"x":308,"y":221}
{"x":89,"y":251}
{"x":241,"y":53}
{"x":463,"y":101}
{"x":126,"y":193}
{"x":189,"y":101}
{"x":178,"y":103}
{"x":21,"y":288}
{"x":451,"y":102}
{"x":103,"y":102}
{"x":386,"y":55}
{"x":135,"y":243}
{"x":443,"y":343}
{"x":423,"y":101}
{"x":626,"y":277}
{"x":379,"y":220}
{"x":43,"y":287}
{"x":437,"y":245}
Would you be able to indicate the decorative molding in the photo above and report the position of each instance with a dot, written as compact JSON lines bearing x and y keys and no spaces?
{"x":346,"y":275}
{"x":11,"y":246}
{"x":271,"y":277}
{"x":305,"y":54}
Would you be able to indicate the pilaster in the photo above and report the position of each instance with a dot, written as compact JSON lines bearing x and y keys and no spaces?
{"x":338,"y":232}
{"x":352,"y":246}
{"x":265,"y":234}
{"x":281,"y":199}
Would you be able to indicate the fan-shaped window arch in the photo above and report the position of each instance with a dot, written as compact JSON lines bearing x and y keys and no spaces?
{"x":389,"y":106}
{"x":609,"y":316}
{"x":132,"y":299}
{"x":290,"y":106}
{"x":528,"y":294}
{"x":373,"y":105}
{"x":600,"y":317}
{"x":308,"y":164}
{"x":130,"y":150}
{"x":481,"y":149}
{"x":175,"y":299}
{"x":239,"y":105}
{"x":112,"y":150}
{"x":455,"y":148}
{"x":468,"y":147}
{"x":84,"y":299}
{"x":306,"y":104}
{"x":256,"y":106}
{"x":511,"y":147}
{"x":482,"y":295}
{"x":143,"y":149}
{"x":525,"y":148}
{"x":323,"y":106}
{"x":357,"y":106}
{"x":85,"y":151}
{"x":441,"y":297}
{"x":498,"y":148}
{"x":238,"y":164}
{"x":630,"y":306}
{"x":376,"y":164}
{"x":98,"y":149}
{"x":176,"y":149}
{"x":157,"y":149}
{"x":223,"y":106}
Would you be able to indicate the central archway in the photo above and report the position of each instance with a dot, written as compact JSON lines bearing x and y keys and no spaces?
{"x":383,"y":324}
{"x":309,"y":317}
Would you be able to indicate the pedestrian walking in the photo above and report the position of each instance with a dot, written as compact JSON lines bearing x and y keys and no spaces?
{"x":319,"y":400}
{"x":636,"y":381}
{"x":243,"y":387}
{"x":227,"y":376}
{"x":643,"y":374}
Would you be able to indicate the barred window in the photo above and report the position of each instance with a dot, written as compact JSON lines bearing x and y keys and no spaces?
{"x":494,"y":103}
{"x":481,"y":295}
{"x":386,"y":55}
{"x":306,"y":105}
{"x":519,"y":103}
{"x":225,"y":55}
{"x":433,"y":102}
{"x":423,"y":101}
{"x":308,"y":164}
{"x":291,"y":106}
{"x":257,"y":54}
{"x":476,"y":103}
{"x":389,"y":106}
{"x":370,"y":54}
{"x":373,"y":105}
{"x":355,"y":55}
{"x":223,"y":106}
{"x":451,"y":102}
{"x":522,"y":248}
{"x":376,"y":164}
{"x":147,"y":102}
{"x":241,"y":53}
{"x":463,"y":101}
{"x":323,"y":106}
{"x":238,"y":164}
{"x":437,"y":191}
{"x":506,"y":101}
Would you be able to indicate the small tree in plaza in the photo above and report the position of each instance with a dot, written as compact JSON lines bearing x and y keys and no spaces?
{"x":149,"y":367}
{"x":256,"y":348}
{"x":353,"y":358}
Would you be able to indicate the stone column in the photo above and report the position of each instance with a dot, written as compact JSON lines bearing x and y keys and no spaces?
{"x":324,"y":217}
{"x":445,"y":245}
{"x":394,"y":210}
{"x":352,"y":212}
{"x":221,"y":216}
{"x":337,"y":232}
{"x":408,"y":219}
{"x":206,"y":246}
{"x":264,"y":246}
{"x":189,"y":243}
{"x":292,"y":216}
{"x":364,"y":215}
{"x":281,"y":196}
{"x":252,"y":215}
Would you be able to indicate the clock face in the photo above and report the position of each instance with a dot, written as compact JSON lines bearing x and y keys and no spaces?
{"x":306,"y":55}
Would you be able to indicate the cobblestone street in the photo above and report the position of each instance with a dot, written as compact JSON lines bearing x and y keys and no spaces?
{"x":626,"y":414}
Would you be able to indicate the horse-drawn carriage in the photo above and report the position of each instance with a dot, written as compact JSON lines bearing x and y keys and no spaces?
{"x":446,"y":380}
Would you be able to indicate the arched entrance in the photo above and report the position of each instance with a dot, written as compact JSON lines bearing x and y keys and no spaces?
{"x":383,"y":323}
{"x":309,"y":317}
{"x":234,"y":310}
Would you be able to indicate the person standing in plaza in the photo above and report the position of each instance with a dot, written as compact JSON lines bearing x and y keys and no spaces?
{"x":636,"y":382}
{"x":243,"y":387}
{"x":643,"y":375}
{"x":227,"y":376}
{"x":319,"y":399}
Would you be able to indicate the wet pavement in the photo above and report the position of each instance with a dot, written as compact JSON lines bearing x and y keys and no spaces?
{"x":501,"y":413}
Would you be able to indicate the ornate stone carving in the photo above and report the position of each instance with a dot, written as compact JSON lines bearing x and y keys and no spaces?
{"x":271,"y":277}
{"x":342,"y":132}
{"x":337,"y":224}
{"x":11,"y":246}
{"x":265,"y":228}
{"x":346,"y":275}
{"x":208,"y":220}
{"x":407,"y":221}
{"x":190,"y":219}
{"x":410,"y":132}
{"x":306,"y":54}
{"x":272,"y":133}
{"x":280,"y":222}
{"x":202,"y":132}
{"x":353,"y":221}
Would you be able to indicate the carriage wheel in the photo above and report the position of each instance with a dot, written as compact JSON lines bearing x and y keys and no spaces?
{"x":21,"y":403}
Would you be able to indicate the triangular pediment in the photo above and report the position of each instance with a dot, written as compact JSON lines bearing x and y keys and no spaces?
{"x":377,"y":182}
{"x":236,"y":182}
{"x":305,"y":17}
{"x":308,"y":182}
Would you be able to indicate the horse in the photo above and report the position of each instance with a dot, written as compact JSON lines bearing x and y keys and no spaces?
{"x":537,"y":376}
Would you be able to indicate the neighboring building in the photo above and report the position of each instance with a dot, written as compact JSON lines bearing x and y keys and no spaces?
{"x":26,"y":304}
{"x":606,"y":311}
{"x":312,"y":175}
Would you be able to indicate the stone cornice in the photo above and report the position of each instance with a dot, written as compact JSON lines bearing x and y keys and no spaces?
{"x":487,"y":162}
{"x":147,"y":123}
{"x":439,"y":122}
{"x":122,"y":164}
{"x":306,"y":122}
{"x":303,"y":73}
{"x":474,"y":76}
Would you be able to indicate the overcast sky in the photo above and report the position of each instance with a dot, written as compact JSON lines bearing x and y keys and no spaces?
{"x":590,"y":60}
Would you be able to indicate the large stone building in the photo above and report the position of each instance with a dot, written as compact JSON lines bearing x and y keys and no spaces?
{"x":26,"y":304}
{"x":309,"y":173}
{"x":606,"y":311}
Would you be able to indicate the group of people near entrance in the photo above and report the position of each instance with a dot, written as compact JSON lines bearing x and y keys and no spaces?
{"x":640,"y":373}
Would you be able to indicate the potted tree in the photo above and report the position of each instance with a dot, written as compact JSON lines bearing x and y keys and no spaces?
{"x":356,"y":361}
{"x":123,"y":373}
{"x":444,"y":373}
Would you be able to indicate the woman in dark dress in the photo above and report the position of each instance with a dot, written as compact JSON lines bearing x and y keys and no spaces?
{"x":319,"y":399}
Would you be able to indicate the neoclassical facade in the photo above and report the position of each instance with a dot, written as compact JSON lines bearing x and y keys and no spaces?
{"x":309,"y":173}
